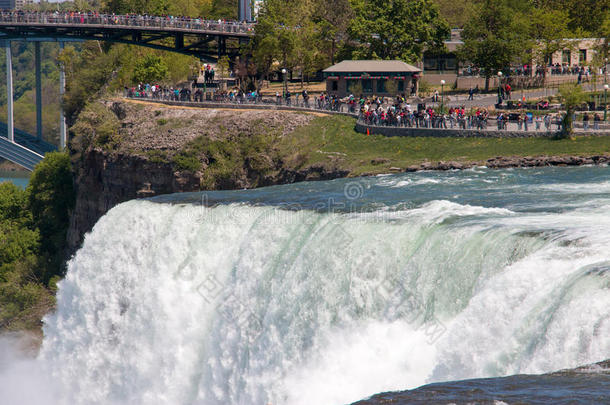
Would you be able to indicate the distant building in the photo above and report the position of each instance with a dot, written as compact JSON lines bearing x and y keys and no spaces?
{"x":19,"y":4}
{"x":14,"y":4}
{"x":248,"y":9}
{"x":580,"y":52}
{"x":7,"y":4}
{"x":258,"y":4}
{"x":372,"y":77}
{"x":446,"y":65}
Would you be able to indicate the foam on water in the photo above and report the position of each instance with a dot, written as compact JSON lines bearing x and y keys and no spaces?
{"x":178,"y":304}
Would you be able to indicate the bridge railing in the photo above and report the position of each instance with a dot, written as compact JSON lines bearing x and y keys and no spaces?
{"x":312,"y":104}
{"x":96,"y":19}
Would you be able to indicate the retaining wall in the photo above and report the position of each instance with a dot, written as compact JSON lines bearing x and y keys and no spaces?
{"x":458,"y":133}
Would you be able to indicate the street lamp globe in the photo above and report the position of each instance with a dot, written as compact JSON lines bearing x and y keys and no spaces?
{"x":283,"y":71}
{"x":443,"y":82}
{"x":499,"y":74}
{"x":606,"y":87}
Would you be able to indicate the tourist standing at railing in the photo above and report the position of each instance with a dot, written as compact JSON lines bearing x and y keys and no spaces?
{"x":596,"y":120}
{"x":538,"y":121}
{"x":76,"y":17}
{"x":585,"y":121}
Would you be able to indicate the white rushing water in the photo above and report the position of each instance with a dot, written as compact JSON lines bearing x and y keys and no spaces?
{"x":179,"y":304}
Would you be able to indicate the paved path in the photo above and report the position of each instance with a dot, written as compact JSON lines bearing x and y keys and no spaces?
{"x":490,"y":100}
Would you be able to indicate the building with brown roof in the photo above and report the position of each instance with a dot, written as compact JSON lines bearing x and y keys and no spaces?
{"x":371,"y":77}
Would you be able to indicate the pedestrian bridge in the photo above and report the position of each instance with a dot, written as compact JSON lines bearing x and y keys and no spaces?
{"x":204,"y":39}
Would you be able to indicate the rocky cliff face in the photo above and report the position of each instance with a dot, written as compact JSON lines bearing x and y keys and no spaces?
{"x":104,"y":180}
{"x":116,"y":156}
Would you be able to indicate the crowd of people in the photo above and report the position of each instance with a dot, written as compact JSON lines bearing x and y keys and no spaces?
{"x":208,"y":73}
{"x":137,"y":20}
{"x":165,"y":93}
{"x":400,"y":114}
{"x":374,"y":111}
{"x":527,"y":70}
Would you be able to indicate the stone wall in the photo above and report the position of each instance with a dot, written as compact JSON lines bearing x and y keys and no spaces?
{"x":449,"y":133}
{"x":459,"y":133}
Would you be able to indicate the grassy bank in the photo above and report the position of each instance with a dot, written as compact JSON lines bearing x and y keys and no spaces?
{"x":333,"y":140}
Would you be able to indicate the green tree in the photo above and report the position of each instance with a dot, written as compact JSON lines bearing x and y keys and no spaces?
{"x":332,"y":19}
{"x":454,"y":11}
{"x":13,"y":204}
{"x":51,"y":198}
{"x":224,"y":9}
{"x":265,"y":46}
{"x":549,"y":32}
{"x":150,"y":69}
{"x":572,"y":96}
{"x":585,"y":16}
{"x":494,"y":37}
{"x":602,"y":50}
{"x":284,"y":34}
{"x":23,"y":297}
{"x":396,"y":29}
{"x":224,"y":65}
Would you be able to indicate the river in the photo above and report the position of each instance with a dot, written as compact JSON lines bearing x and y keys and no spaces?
{"x":21,"y":179}
{"x":330,"y":292}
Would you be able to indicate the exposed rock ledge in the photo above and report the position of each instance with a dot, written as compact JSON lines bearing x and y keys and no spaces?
{"x":124,"y":163}
{"x":105,"y":179}
{"x":501,"y":162}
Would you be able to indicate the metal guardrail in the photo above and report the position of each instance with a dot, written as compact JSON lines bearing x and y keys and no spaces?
{"x":27,"y":151}
{"x":125,"y":21}
{"x":489,"y":124}
{"x":265,"y":103}
{"x":19,"y":154}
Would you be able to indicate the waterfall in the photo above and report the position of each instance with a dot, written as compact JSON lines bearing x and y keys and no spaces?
{"x":252,"y":304}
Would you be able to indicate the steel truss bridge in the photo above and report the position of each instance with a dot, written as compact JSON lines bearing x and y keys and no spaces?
{"x":207,"y":40}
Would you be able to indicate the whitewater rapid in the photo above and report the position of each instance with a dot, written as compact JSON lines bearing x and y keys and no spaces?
{"x":327,"y":293}
{"x":239,"y":304}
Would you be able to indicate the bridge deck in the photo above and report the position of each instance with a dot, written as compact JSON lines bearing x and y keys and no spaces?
{"x":18,"y":154}
{"x":27,"y":151}
{"x":205,"y":39}
{"x":73,"y":21}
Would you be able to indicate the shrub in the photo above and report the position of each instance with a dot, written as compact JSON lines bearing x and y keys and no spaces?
{"x":157,"y":156}
{"x":186,"y":161}
{"x":51,"y":198}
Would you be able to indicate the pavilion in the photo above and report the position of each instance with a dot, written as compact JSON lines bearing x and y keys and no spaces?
{"x":372,"y":77}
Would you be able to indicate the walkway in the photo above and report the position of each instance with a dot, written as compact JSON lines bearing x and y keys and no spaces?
{"x":205,"y":39}
{"x":341,"y":109}
{"x":490,"y":100}
{"x":512,"y":129}
{"x":144,"y":22}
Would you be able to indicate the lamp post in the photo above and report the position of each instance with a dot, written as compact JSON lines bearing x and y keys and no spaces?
{"x":284,"y":71}
{"x":499,"y":87}
{"x":442,"y":96}
{"x":605,"y":101}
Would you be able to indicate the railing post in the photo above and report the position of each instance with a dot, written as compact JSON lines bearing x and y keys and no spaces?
{"x":62,"y":91}
{"x":38,"y":90}
{"x":9,"y":92}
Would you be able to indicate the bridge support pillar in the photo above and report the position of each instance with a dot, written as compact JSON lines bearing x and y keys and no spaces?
{"x":179,"y":43}
{"x":62,"y":91}
{"x":38,"y":90}
{"x":9,"y":92}
{"x":222,"y":47}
